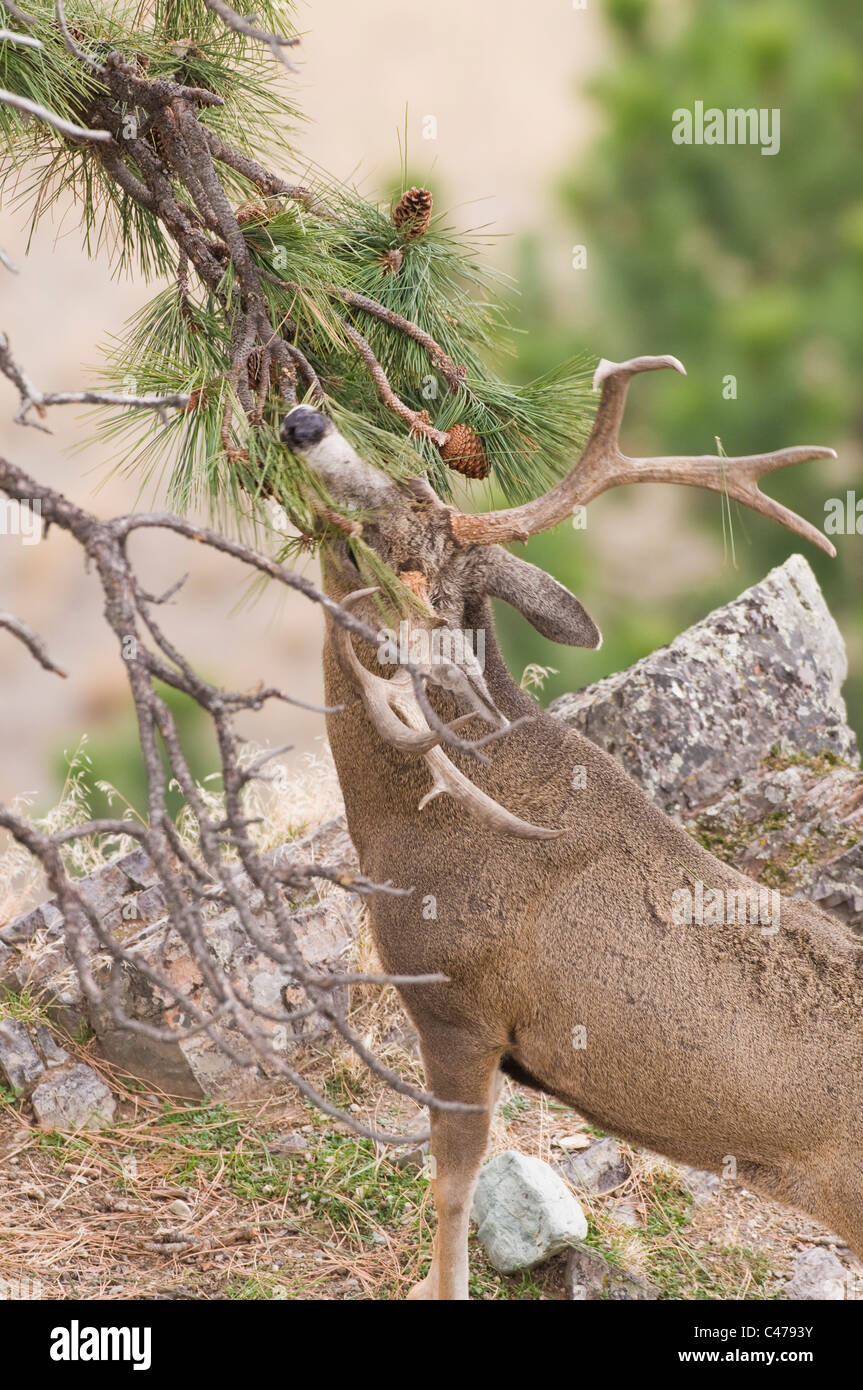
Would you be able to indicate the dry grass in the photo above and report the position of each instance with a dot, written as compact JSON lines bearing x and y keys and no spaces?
{"x":282,"y":1205}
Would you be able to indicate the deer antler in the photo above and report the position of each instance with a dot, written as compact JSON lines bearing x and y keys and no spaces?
{"x":602,"y":465}
{"x":394,"y":711}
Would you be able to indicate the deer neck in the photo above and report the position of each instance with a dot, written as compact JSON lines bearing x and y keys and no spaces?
{"x":382,"y":788}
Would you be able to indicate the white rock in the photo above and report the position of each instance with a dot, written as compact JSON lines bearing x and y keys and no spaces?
{"x":525,"y":1212}
{"x":568,"y":1142}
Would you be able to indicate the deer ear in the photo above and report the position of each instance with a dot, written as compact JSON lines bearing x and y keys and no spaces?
{"x":553,"y":610}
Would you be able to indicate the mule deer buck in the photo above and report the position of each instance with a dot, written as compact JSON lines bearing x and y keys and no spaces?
{"x":553,"y":896}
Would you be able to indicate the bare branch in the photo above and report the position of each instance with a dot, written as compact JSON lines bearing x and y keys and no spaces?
{"x":67,"y":128}
{"x":22,"y":16}
{"x":33,"y":642}
{"x":276,"y":43}
{"x":33,"y":399}
{"x":226,"y":864}
{"x":23,"y":40}
{"x":70,"y":44}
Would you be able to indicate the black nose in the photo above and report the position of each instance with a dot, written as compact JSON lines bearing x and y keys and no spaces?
{"x":302,"y":427}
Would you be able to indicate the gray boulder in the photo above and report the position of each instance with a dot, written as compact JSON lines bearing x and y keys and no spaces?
{"x":20,"y":1063}
{"x":73,"y":1098}
{"x":793,"y":823}
{"x":598,"y":1169}
{"x":694,"y":716}
{"x":818,"y":1276}
{"x":738,"y":730}
{"x":589,"y":1277}
{"x":524,"y":1212}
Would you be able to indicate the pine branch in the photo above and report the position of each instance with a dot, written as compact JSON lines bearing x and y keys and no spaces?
{"x":453,"y":374}
{"x":418,"y":420}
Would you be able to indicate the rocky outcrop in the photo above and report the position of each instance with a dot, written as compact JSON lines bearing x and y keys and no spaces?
{"x":738,"y":730}
{"x":71,"y":1098}
{"x":695,"y":716}
{"x":65,"y":1095}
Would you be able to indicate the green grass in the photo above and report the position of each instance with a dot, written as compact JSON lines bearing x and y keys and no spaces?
{"x":342,"y":1193}
{"x":679,"y":1269}
{"x":346,"y":1183}
{"x":262,"y":1288}
{"x":24,"y":1006}
{"x":515,"y":1106}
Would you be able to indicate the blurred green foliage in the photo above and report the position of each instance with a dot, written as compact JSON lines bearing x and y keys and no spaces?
{"x":110,"y":773}
{"x":741,"y":264}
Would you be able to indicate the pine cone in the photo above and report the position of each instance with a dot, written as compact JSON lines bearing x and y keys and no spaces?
{"x":254,"y":210}
{"x":413,"y":211}
{"x":256,"y":368}
{"x":197,"y":400}
{"x":391,"y":261}
{"x":463,"y":451}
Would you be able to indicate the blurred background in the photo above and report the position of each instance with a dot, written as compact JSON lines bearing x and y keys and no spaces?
{"x":552,"y":132}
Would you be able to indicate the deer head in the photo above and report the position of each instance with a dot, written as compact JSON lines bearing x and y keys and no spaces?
{"x":448,"y":558}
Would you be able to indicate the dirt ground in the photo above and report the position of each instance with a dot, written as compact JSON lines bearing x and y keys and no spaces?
{"x":270,"y":1200}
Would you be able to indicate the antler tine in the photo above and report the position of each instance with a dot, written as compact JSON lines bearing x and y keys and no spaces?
{"x":379,"y":694}
{"x":602,"y":466}
{"x":385,"y":700}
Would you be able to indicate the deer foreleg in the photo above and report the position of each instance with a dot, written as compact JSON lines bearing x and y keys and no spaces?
{"x":458,"y":1144}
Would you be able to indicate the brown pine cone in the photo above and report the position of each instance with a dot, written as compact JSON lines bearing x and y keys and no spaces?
{"x":254,"y":210}
{"x":197,"y":400}
{"x":463,"y":451}
{"x":391,"y":261}
{"x":413,"y":212}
